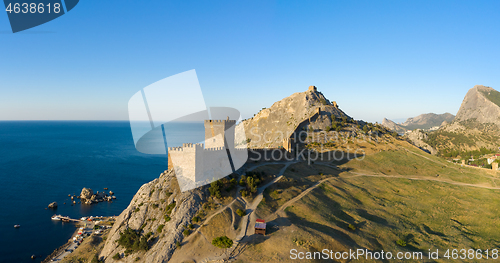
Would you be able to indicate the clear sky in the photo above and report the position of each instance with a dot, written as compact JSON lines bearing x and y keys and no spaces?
{"x":377,"y":59}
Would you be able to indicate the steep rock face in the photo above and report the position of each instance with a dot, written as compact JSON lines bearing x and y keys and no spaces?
{"x":147,"y":211}
{"x":481,"y":104}
{"x":268,"y":127}
{"x":418,"y":138}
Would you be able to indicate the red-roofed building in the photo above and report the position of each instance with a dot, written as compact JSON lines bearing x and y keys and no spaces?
{"x":260,"y":227}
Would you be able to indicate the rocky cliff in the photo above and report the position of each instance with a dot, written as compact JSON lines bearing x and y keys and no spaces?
{"x":158,"y":212}
{"x":419,"y":138}
{"x":268,"y":127}
{"x":481,"y":104}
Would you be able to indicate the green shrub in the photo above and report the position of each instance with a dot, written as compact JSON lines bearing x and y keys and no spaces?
{"x":159,"y":228}
{"x":196,"y":219}
{"x":186,"y":232}
{"x":178,"y":244}
{"x":233,"y":182}
{"x":167,"y":218}
{"x":222,"y":242}
{"x":240,"y":212}
{"x":169,"y":208}
{"x":95,"y":259}
{"x":117,"y":256}
{"x":401,"y":243}
{"x":243,"y":180}
{"x":131,"y":240}
{"x":352,"y":227}
{"x":190,"y":226}
{"x":215,"y":189}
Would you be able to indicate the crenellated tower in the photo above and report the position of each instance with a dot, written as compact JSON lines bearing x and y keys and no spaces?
{"x":219,"y":133}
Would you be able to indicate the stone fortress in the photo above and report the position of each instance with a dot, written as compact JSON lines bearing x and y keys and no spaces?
{"x":197,"y":164}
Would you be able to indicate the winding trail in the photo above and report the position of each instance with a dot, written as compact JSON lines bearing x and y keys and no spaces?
{"x":248,"y":221}
{"x":250,"y":208}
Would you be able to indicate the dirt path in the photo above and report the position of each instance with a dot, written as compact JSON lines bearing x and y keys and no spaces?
{"x":295,"y":199}
{"x":246,"y":221}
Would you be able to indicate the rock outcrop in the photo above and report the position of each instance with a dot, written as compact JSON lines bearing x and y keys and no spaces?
{"x":86,"y":193}
{"x":53,"y":205}
{"x":147,"y":211}
{"x":271,"y":125}
{"x":88,"y":197}
{"x":418,"y":138}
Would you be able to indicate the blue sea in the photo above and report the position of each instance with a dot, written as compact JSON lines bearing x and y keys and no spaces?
{"x":44,"y":161}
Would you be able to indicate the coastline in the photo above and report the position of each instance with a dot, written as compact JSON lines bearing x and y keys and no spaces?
{"x":88,"y":231}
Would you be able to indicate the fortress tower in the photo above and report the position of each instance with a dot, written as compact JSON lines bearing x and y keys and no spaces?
{"x":196,"y":165}
{"x":219,"y":133}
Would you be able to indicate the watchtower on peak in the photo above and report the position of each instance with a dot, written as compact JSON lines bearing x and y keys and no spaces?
{"x":312,"y":89}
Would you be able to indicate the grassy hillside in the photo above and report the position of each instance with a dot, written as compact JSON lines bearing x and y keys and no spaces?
{"x":396,"y":199}
{"x":377,"y":213}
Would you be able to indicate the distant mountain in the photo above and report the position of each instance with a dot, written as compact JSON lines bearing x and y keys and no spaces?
{"x":393,"y":126}
{"x":427,"y":121}
{"x":423,"y":121}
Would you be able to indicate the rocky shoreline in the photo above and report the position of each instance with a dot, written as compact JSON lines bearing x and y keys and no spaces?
{"x":88,"y":197}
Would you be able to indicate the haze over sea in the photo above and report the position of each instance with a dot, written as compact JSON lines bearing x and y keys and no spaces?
{"x":44,"y":161}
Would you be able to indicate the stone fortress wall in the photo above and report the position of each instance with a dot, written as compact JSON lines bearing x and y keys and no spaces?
{"x":194,"y":163}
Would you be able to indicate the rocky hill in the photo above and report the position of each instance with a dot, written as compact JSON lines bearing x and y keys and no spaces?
{"x":284,"y":116}
{"x":476,"y":125}
{"x":158,"y":213}
{"x":423,"y":122}
{"x":482,"y":105}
